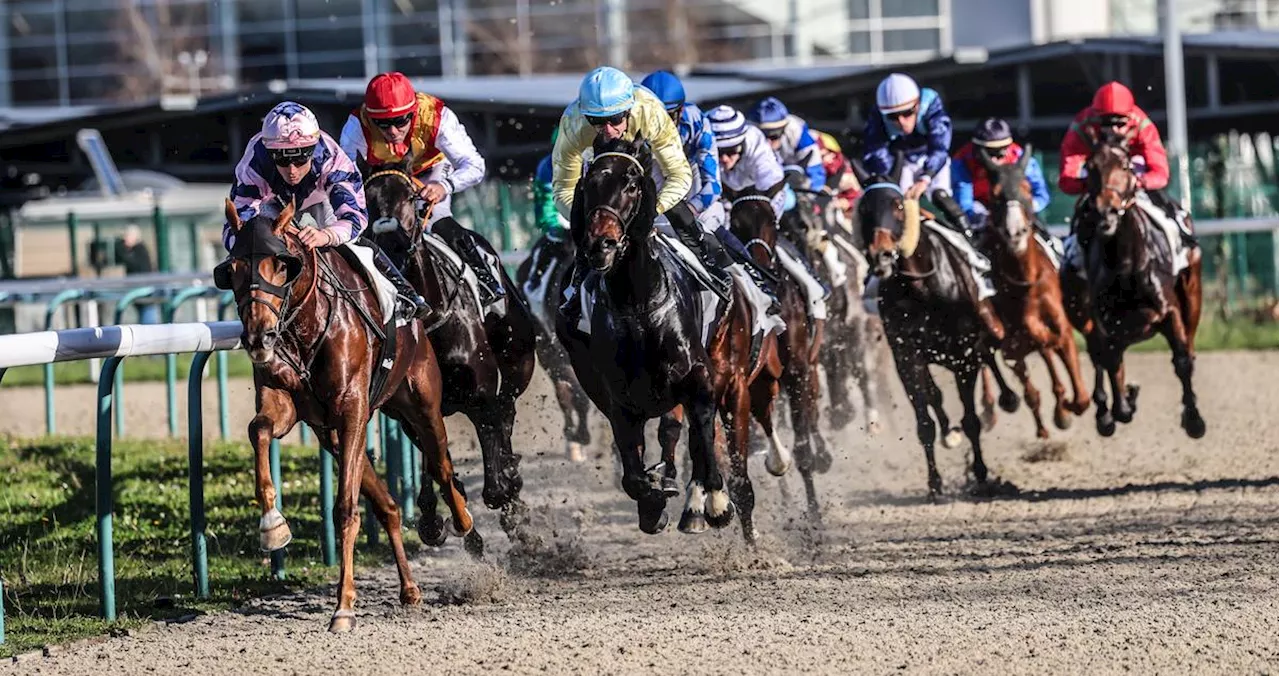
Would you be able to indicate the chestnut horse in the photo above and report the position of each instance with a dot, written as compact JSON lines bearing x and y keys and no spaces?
{"x":486,"y":357}
{"x":751,"y":219}
{"x":645,"y":353}
{"x":1131,"y":292}
{"x":310,"y":333}
{"x":1028,"y":297}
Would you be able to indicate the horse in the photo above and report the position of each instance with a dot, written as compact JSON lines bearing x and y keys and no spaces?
{"x":854,"y":337}
{"x":542,"y":278}
{"x":751,"y":219}
{"x":1028,"y":296}
{"x":929,"y":305}
{"x":486,"y":358}
{"x":645,"y":355}
{"x":1131,"y":291}
{"x":316,"y":354}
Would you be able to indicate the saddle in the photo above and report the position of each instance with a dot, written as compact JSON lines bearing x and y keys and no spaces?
{"x":979,"y":265}
{"x":461,"y":274}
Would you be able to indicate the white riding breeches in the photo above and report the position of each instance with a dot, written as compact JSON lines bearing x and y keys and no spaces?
{"x":913,"y":167}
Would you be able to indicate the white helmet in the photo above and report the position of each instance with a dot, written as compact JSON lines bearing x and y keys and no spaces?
{"x":290,"y":126}
{"x":896,"y":93}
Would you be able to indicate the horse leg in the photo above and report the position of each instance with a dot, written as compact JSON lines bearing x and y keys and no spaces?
{"x":835,"y":364}
{"x":1125,"y":395}
{"x":951,"y":435}
{"x":565,"y":397}
{"x":418,"y":403}
{"x":388,"y":514}
{"x":502,"y":482}
{"x":988,"y":400}
{"x":864,"y":367}
{"x":628,"y":435}
{"x":1183,"y":364}
{"x":1061,"y":416}
{"x":276,"y":416}
{"x":922,"y":393}
{"x":1008,"y":400}
{"x":763,"y":392}
{"x":967,"y":382}
{"x":1032,"y":396}
{"x":1104,"y":421}
{"x":669,"y":429}
{"x":736,"y":418}
{"x":822,"y":455}
{"x":797,"y":385}
{"x":351,"y":462}
{"x":706,"y":501}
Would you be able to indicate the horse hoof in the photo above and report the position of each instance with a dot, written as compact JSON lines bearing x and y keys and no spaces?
{"x":432,"y":532}
{"x":497,"y":498}
{"x":988,"y":419}
{"x":777,"y":465}
{"x":952,"y":438}
{"x":1193,"y":424}
{"x":822,"y":461}
{"x":274,"y":531}
{"x":692,"y":522}
{"x":654,"y":525}
{"x":474,"y":544}
{"x":670,"y":487}
{"x":1106,"y":426}
{"x":1008,"y":402}
{"x":456,"y":529}
{"x":1061,"y":419}
{"x":1131,"y":394}
{"x":719,"y":509}
{"x":342,"y":622}
{"x":573,"y":451}
{"x":1122,"y":415}
{"x":410,"y":595}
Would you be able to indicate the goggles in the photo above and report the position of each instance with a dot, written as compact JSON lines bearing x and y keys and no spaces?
{"x":393,"y":122}
{"x":284,"y":157}
{"x":612,"y":120}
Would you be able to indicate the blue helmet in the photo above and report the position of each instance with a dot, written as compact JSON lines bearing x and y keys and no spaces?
{"x":769,"y":113}
{"x":666,"y":86}
{"x":606,"y":92}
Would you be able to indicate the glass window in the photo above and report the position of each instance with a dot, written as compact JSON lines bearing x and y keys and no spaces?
{"x":859,"y":9}
{"x":860,"y":42}
{"x":909,"y":40}
{"x":896,"y":8}
{"x":416,"y":39}
{"x":33,"y":62}
{"x":262,"y":55}
{"x":1248,"y":81}
{"x":330,"y":39}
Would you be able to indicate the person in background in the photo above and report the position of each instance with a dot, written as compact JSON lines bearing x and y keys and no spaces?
{"x":136,"y":259}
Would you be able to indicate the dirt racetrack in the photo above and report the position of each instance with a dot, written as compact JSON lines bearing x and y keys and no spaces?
{"x":1144,"y":553}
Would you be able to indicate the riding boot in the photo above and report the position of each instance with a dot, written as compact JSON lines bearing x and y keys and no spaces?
{"x":716,"y":260}
{"x":763,"y":277}
{"x":467,"y":246}
{"x":956,"y":218}
{"x":571,"y":307}
{"x":415,"y":307}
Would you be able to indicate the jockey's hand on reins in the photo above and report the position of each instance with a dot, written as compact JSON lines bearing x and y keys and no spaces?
{"x":315,"y":237}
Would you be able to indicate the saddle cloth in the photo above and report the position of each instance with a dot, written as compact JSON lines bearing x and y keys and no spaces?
{"x":1052,"y":248}
{"x":544,"y":267}
{"x":979,"y":266}
{"x":468,"y":276}
{"x":382,"y":287}
{"x":815,"y":295}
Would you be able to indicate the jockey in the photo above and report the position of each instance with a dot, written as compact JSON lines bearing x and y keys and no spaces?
{"x":748,"y":161}
{"x":911,"y":120}
{"x":994,"y":139}
{"x":549,"y":220}
{"x":841,"y":181}
{"x":609,"y":104}
{"x":791,"y":138}
{"x":394,"y":122}
{"x":291,"y":160}
{"x":1114,"y":111}
{"x":700,"y":149}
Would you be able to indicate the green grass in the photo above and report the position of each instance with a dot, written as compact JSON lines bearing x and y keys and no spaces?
{"x":136,"y":369}
{"x":1217,"y":334}
{"x":48,"y":548}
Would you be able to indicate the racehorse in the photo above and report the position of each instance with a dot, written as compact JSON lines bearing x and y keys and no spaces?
{"x":486,"y":357}
{"x":317,"y":355}
{"x":853,"y":339}
{"x":1131,"y":291}
{"x":645,"y":354}
{"x":1028,"y":297}
{"x":542,"y":277}
{"x":751,"y":219}
{"x":928,"y":303}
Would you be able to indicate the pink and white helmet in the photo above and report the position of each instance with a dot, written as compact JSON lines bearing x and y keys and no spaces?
{"x":290,"y":126}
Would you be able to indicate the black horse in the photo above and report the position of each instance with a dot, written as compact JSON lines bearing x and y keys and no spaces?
{"x":486,"y":358}
{"x":645,"y":354}
{"x":929,"y":306}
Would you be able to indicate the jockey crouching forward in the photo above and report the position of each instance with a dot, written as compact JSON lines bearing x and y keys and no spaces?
{"x":394,"y":121}
{"x":747,"y":161}
{"x":291,"y":160}
{"x":704,"y":195}
{"x":994,"y":139}
{"x":610,"y":104}
{"x":911,"y":120}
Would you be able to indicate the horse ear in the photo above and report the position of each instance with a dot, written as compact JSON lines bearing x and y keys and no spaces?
{"x":1026,"y":158}
{"x":860,"y":172}
{"x":410,"y":158}
{"x":985,"y":158}
{"x":362,"y":165}
{"x":233,"y":216}
{"x":285,"y":218}
{"x":899,"y":161}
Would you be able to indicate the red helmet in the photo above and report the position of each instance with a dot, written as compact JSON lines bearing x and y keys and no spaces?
{"x":389,"y":95}
{"x":1113,"y":98}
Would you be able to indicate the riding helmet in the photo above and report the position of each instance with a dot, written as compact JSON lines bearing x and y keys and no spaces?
{"x":769,"y":114}
{"x":667,"y":87}
{"x":728,"y":126}
{"x":290,"y":126}
{"x":389,"y":95}
{"x":992,"y":132}
{"x":897,"y":93}
{"x":1113,"y":98}
{"x":605,"y":92}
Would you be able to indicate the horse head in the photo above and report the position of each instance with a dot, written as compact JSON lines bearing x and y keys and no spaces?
{"x":1011,"y":209}
{"x":265,"y":261}
{"x":391,"y":196}
{"x":618,"y":201}
{"x":751,"y":220}
{"x":1112,"y":183}
{"x":890,"y":223}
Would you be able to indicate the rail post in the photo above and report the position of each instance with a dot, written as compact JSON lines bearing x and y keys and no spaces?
{"x":122,"y":306}
{"x":370,"y":524}
{"x":195,"y":474}
{"x":171,"y":360}
{"x":102,"y":491}
{"x":224,"y":415}
{"x":277,"y":557}
{"x":161,"y":222}
{"x":193,"y":233}
{"x":391,"y":454}
{"x":50,"y":314}
{"x":328,"y":541}
{"x":73,"y":226}
{"x":407,"y":480}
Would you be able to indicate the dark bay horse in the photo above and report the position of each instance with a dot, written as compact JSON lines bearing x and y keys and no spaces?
{"x":645,"y":355}
{"x":928,"y":303}
{"x":1028,"y":297}
{"x":543,"y":277}
{"x":310,"y":332}
{"x":486,"y":358}
{"x":1132,"y":292}
{"x":751,"y":219}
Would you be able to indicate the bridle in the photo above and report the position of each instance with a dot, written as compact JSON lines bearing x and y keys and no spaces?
{"x":288,"y":310}
{"x":624,"y":221}
{"x":414,"y":186}
{"x":756,"y":241}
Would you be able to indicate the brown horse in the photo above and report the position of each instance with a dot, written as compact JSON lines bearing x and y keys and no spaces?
{"x":486,"y":357}
{"x":1028,"y":297}
{"x":752,"y":220}
{"x":316,"y":349}
{"x":645,"y":354}
{"x":1131,"y":291}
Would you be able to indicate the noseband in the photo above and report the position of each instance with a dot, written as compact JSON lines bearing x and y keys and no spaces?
{"x":414,"y":186}
{"x":897,"y":256}
{"x":287,"y":311}
{"x":625,"y":222}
